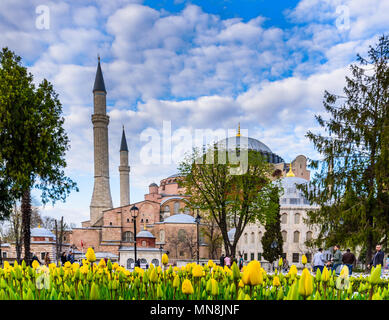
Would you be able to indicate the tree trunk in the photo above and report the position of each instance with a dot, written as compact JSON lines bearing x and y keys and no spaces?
{"x":26,"y":221}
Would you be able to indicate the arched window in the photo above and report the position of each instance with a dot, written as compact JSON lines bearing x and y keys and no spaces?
{"x":187,"y":210}
{"x":144,"y":243}
{"x":245,"y":238}
{"x":167,"y":209}
{"x":252,"y":237}
{"x":284,"y":236}
{"x":284,"y":218}
{"x":155,"y":262}
{"x":297,"y":218}
{"x":259,"y":237}
{"x":130,"y":261}
{"x":176,"y":207}
{"x":162,"y":235}
{"x":296,"y":237}
{"x":309,"y":235}
{"x":143,"y":261}
{"x":181,"y":235}
{"x":128,"y":236}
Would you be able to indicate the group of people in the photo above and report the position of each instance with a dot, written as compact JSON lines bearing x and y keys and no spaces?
{"x":229,"y":260}
{"x":67,"y":257}
{"x":46,"y":262}
{"x":348,"y":259}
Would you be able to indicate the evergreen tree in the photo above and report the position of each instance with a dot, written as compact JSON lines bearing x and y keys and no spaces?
{"x":32,"y":139}
{"x":352,"y":180}
{"x":272,"y":241}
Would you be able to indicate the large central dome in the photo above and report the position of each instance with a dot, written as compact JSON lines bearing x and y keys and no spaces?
{"x":235,"y":142}
{"x":240,"y":142}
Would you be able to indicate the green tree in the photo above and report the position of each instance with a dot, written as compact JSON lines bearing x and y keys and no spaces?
{"x":272,"y":241}
{"x":351,"y":182}
{"x":232,"y":193}
{"x":32,"y":138}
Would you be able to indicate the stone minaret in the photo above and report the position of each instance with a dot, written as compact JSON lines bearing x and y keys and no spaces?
{"x":101,"y":198}
{"x":124,"y":171}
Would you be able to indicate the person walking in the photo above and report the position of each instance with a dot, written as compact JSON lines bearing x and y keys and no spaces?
{"x":222,"y":260}
{"x":349,"y":260}
{"x":70,"y":257}
{"x":318,"y":260}
{"x":63,"y":258}
{"x":227,"y":261}
{"x":47,"y":259}
{"x":337,"y":258}
{"x":285,"y":265}
{"x":241,"y":261}
{"x":378,"y":258}
{"x":34,"y":257}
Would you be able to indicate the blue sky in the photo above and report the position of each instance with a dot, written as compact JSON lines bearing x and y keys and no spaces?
{"x":198,"y":64}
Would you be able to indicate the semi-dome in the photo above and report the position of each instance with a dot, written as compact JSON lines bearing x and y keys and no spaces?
{"x":291,"y":195}
{"x":153,"y":185}
{"x":145,"y":234}
{"x":41,"y":232}
{"x":180,"y":218}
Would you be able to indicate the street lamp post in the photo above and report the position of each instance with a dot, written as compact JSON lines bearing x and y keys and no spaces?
{"x":134,"y":213}
{"x":198,"y":219}
{"x":160,"y":253}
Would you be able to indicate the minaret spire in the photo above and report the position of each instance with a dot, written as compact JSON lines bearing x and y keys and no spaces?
{"x":238,"y":134}
{"x":124,"y":172}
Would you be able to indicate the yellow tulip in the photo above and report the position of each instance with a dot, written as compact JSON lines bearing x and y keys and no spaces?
{"x":325,"y":276}
{"x":280,"y":262}
{"x":214,"y":287}
{"x":253,"y":274}
{"x":35,"y":264}
{"x":90,"y":255}
{"x":241,"y":284}
{"x":305,"y":283}
{"x":197,"y":271}
{"x":375,"y":276}
{"x":210,"y":263}
{"x":304,"y":259}
{"x":176,"y":282}
{"x":187,"y":287}
{"x":102,"y":264}
{"x":276,"y":281}
{"x":165,"y":259}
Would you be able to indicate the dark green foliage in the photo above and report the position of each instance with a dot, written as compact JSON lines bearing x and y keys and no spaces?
{"x":352,"y":181}
{"x":32,"y":138}
{"x":272,"y":241}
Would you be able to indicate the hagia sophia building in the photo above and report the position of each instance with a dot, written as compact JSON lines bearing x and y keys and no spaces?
{"x":164,"y":222}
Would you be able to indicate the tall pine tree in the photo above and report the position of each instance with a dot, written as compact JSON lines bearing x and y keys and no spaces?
{"x":272,"y":241}
{"x":352,"y":180}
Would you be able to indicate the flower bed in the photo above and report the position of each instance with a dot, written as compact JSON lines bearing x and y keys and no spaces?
{"x":92,"y":281}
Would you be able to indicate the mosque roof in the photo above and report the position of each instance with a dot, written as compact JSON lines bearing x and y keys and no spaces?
{"x":99,"y":80}
{"x":145,"y":234}
{"x":153,"y":185}
{"x":180,"y":218}
{"x":41,"y":232}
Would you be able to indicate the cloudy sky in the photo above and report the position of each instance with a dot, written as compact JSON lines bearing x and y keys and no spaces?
{"x":199,"y":64}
